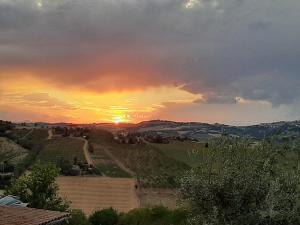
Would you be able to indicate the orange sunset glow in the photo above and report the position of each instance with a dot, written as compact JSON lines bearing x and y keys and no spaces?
{"x":81,"y":106}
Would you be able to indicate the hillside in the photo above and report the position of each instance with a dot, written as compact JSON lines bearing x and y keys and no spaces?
{"x":188,"y":152}
{"x":204,"y":132}
{"x":31,"y":139}
{"x":151,"y":167}
{"x":59,"y":149}
{"x":11,"y":152}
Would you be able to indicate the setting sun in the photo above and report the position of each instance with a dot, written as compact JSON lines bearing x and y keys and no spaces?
{"x":117,"y":120}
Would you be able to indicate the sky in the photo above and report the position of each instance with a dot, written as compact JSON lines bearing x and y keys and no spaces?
{"x":85,"y":61}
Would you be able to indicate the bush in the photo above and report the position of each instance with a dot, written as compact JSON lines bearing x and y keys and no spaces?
{"x":243,"y":184}
{"x":136,"y":217}
{"x":158,"y":215}
{"x":64,"y":165}
{"x":104,"y":217}
{"x":78,"y":218}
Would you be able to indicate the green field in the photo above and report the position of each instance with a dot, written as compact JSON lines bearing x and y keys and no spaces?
{"x":152,"y":167}
{"x":62,"y":149}
{"x":111,"y":170}
{"x":191,"y":153}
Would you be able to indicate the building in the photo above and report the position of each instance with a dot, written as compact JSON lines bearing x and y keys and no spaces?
{"x":11,"y":215}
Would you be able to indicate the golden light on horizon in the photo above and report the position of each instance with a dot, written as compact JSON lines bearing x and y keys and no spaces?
{"x":33,"y":101}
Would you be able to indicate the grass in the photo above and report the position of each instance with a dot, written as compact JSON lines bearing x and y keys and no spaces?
{"x":19,"y":133}
{"x":188,"y":152}
{"x":105,"y":165}
{"x":151,"y":166}
{"x":112,"y":170}
{"x":62,"y":149}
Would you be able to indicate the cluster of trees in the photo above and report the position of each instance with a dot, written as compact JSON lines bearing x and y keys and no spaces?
{"x":238,"y":183}
{"x":5,"y":126}
{"x":76,"y":131}
{"x":76,"y":168}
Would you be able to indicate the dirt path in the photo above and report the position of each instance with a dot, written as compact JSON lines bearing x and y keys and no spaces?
{"x":119,"y":163}
{"x":86,"y":152}
{"x":50,"y":134}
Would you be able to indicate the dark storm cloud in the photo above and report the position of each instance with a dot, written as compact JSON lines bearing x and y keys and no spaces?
{"x":221,"y":49}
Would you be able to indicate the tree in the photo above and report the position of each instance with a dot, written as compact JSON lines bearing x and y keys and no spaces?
{"x":104,"y":217}
{"x":242,"y":184}
{"x":39,"y":189}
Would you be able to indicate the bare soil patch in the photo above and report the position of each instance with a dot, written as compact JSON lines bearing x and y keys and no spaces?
{"x":92,"y":193}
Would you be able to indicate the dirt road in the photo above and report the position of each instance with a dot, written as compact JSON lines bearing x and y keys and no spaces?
{"x":86,"y":152}
{"x":50,"y":134}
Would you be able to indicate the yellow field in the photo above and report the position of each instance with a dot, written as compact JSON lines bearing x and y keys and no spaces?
{"x":92,"y":193}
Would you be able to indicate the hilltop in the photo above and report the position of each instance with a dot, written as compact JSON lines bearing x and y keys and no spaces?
{"x":192,"y":130}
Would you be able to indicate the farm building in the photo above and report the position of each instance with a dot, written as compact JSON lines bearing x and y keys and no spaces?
{"x":11,"y":215}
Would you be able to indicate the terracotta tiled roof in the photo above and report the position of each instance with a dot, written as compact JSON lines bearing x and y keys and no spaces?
{"x":10,"y":215}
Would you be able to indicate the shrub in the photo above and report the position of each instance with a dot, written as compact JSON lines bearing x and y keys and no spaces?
{"x":158,"y":215}
{"x":104,"y":217}
{"x":78,"y":218}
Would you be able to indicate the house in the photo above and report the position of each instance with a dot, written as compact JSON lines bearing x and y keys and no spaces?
{"x":11,"y":215}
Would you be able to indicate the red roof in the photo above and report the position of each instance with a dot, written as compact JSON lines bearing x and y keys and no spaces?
{"x":27,"y":216}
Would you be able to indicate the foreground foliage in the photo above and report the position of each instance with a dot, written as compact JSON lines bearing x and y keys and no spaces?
{"x":145,"y":216}
{"x":243,"y":184}
{"x":38,"y":188}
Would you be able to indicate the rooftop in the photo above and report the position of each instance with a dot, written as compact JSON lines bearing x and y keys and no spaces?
{"x":27,"y":216}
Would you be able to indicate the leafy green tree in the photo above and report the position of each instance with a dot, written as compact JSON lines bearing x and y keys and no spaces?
{"x":243,"y":184}
{"x":64,"y":165}
{"x":38,"y":188}
{"x":104,"y":217}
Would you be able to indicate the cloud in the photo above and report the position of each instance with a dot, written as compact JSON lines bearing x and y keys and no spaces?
{"x":43,"y":100}
{"x":220,"y":49}
{"x":20,"y":114}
